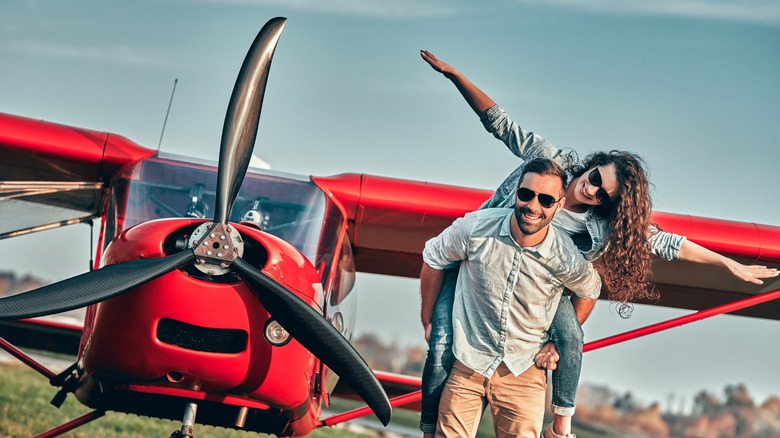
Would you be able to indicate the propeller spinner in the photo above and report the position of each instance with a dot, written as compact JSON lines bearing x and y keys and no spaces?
{"x":216,"y":247}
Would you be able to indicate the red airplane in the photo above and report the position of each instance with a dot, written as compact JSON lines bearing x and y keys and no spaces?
{"x":224,"y":296}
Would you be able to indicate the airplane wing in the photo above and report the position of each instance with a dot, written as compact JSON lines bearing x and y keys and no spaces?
{"x":53,"y":175}
{"x":52,"y":334}
{"x":402,"y":390}
{"x":390,"y":220}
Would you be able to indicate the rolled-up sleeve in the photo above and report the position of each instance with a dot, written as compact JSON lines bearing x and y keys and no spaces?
{"x":525,"y":144}
{"x":665,"y":245}
{"x":451,"y":245}
{"x":583,"y":279}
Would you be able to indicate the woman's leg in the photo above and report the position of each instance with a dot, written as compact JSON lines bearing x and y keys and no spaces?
{"x":566,"y":334}
{"x":439,"y":361}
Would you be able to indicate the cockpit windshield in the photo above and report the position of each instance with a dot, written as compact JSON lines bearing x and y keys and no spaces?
{"x":291,"y":208}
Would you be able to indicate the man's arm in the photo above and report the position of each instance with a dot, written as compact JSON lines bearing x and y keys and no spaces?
{"x":582,"y":307}
{"x":430,"y":285}
{"x":548,"y":356}
{"x":476,"y":98}
{"x":439,"y":252}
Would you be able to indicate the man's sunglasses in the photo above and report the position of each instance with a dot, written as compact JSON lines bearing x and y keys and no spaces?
{"x":594,"y":178}
{"x":545,"y":200}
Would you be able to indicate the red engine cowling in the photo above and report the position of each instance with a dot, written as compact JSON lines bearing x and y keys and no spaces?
{"x":199,"y":333}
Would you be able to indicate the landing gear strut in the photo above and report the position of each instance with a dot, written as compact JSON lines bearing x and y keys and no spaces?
{"x":187,"y":423}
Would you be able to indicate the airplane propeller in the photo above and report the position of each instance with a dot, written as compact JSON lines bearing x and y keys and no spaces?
{"x":91,"y":287}
{"x":243,"y":114}
{"x":303,"y":323}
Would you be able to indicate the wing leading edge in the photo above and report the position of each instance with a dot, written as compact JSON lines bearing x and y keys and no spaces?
{"x":53,"y":175}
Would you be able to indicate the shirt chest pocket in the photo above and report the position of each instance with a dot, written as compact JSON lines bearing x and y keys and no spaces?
{"x":551,"y":282}
{"x":538,"y":276}
{"x":493,"y":265}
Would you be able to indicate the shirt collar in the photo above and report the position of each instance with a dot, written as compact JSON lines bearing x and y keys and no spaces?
{"x":543,"y":248}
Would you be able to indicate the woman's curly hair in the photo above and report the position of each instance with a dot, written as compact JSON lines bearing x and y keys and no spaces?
{"x":626,"y":258}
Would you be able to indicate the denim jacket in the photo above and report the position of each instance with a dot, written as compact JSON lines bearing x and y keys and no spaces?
{"x":527,"y":146}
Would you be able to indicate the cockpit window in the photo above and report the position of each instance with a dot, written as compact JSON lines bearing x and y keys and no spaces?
{"x":291,"y":209}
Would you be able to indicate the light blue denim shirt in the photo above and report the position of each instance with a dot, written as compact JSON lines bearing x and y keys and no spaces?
{"x":527,"y":146}
{"x":506,"y":295}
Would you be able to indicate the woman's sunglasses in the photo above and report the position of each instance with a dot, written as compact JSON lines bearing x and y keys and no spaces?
{"x":545,"y":200}
{"x":594,"y":178}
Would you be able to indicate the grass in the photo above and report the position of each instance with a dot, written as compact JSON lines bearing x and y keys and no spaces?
{"x":25,"y":411}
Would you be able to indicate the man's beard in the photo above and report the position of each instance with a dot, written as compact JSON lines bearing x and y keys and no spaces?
{"x":527,"y":228}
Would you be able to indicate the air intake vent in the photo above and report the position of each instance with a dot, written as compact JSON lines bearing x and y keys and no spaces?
{"x":197,"y":338}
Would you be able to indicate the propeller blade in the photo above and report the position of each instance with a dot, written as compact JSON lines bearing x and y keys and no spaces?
{"x":90,"y":287}
{"x":242,"y":118}
{"x":318,"y":336}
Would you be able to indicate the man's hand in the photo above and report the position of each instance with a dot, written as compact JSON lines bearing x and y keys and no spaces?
{"x":547,"y":357}
{"x":427,"y":328}
{"x":430,"y":285}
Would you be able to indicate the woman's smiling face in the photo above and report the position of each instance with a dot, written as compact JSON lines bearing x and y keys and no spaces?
{"x":596,"y":179}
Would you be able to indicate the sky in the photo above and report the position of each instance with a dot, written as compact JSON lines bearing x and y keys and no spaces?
{"x":690,"y":85}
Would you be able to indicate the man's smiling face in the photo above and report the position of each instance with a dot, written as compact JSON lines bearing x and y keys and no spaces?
{"x":532,"y":216}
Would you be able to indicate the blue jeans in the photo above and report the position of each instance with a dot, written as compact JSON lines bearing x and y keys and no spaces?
{"x":565,"y":333}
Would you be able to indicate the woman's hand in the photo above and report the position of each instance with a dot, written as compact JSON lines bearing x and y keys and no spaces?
{"x":750,"y":273}
{"x":437,"y":64}
{"x":695,"y":253}
{"x":547,"y":357}
{"x":477,"y":100}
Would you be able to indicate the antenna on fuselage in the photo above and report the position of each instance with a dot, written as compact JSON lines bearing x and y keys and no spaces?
{"x":165,"y":122}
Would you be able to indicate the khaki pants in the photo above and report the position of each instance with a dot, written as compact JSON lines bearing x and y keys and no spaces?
{"x":517,"y":403}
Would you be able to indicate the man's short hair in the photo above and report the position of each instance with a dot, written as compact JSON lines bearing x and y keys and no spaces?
{"x":544,"y":166}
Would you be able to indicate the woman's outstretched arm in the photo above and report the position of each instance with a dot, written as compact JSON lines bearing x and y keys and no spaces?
{"x":693,"y":252}
{"x":476,"y":98}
